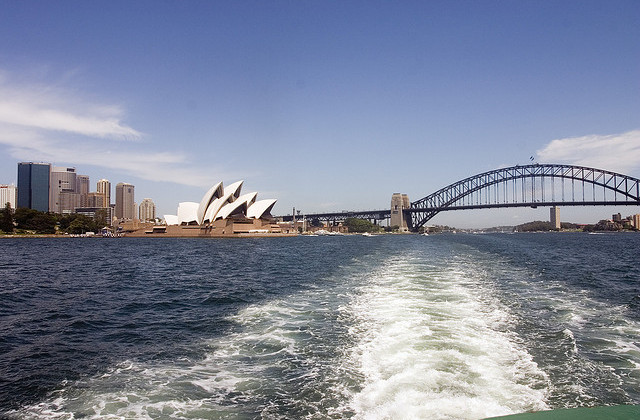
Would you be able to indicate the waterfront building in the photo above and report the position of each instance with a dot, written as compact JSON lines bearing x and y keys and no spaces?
{"x":147,"y":210}
{"x":635,"y":221}
{"x":33,"y":185}
{"x":223,"y":211}
{"x":125,"y":202}
{"x":399,"y":202}
{"x":8,"y":194}
{"x":554,"y":217}
{"x":63,"y":194}
{"x":617,"y":218}
{"x":221,"y":203}
{"x":104,"y":188}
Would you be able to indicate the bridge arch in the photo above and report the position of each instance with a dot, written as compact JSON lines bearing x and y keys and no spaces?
{"x":528,"y":186}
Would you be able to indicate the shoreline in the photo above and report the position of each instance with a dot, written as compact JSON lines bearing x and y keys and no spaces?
{"x":269,"y":235}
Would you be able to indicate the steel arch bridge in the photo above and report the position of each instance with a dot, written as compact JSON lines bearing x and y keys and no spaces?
{"x":528,"y":186}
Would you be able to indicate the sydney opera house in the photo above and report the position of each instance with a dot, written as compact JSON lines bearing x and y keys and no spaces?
{"x":223,"y":211}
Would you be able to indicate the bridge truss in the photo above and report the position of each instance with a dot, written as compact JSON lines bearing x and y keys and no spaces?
{"x":371,"y":215}
{"x":528,"y":186}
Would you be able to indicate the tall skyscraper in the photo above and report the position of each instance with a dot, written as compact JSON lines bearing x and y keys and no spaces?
{"x":82,"y":187}
{"x":104,"y":188}
{"x":8,"y":195}
{"x":147,"y":210}
{"x":125,"y":201}
{"x":63,"y":191}
{"x":33,"y":185}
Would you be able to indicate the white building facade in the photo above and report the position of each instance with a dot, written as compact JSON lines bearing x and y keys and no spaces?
{"x":104,"y":188}
{"x":8,"y":194}
{"x":147,"y":210}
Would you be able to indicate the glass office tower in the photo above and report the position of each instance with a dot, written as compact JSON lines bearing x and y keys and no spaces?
{"x":33,"y":185}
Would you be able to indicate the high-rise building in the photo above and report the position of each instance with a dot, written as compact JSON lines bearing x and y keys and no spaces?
{"x":635,"y":221}
{"x":104,"y":188}
{"x":8,"y":195}
{"x":63,"y":191}
{"x":33,"y":185}
{"x":82,"y":187}
{"x":125,"y":201}
{"x":147,"y":210}
{"x":95,"y":199}
{"x":554,"y":217}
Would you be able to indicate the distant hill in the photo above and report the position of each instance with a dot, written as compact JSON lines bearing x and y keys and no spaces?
{"x":542,"y":226}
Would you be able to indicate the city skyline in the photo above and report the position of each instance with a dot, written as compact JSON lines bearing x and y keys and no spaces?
{"x":61,"y":190}
{"x":325,"y":106}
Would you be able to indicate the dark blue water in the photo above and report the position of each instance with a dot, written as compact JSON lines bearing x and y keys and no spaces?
{"x":448,"y":326}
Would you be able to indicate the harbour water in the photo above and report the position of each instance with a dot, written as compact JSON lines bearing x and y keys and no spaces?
{"x":387,"y":327}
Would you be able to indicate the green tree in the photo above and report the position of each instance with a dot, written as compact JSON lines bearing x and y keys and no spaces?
{"x":23,"y":216}
{"x":29,"y":219}
{"x":65,"y":220}
{"x":82,"y":224}
{"x":537,"y":226}
{"x":360,"y":225}
{"x":44,"y":223}
{"x":6,"y":219}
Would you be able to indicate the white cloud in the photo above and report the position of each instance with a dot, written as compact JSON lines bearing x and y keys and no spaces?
{"x":49,"y":124}
{"x":615,"y":152}
{"x":51,"y":109}
{"x":25,"y":144}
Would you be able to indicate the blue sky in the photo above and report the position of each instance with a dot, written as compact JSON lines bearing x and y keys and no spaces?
{"x":326,"y":106}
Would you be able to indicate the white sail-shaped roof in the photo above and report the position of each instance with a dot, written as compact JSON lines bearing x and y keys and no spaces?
{"x":237,"y":207}
{"x":171,"y":219}
{"x":187,"y":212}
{"x":216,"y":205}
{"x":234,"y":189}
{"x":220,"y":203}
{"x":260,"y":207}
{"x":214,"y":192}
{"x":249,"y":198}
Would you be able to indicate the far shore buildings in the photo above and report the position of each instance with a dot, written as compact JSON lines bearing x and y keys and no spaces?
{"x":62,"y":190}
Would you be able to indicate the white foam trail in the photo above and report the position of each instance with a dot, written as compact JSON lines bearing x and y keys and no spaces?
{"x":602,"y":350}
{"x":435,"y":345}
{"x":277,"y":361}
